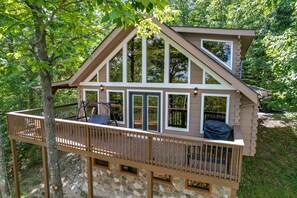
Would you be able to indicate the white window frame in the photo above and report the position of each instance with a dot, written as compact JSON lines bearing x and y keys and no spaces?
{"x":165,"y":66}
{"x":204,"y":78}
{"x":188,"y":112}
{"x":141,"y":111}
{"x":167,"y":63}
{"x":202,"y":108}
{"x":124,"y":102}
{"x":146,"y":91}
{"x":98,"y":99}
{"x":210,"y":53}
{"x":223,"y":86}
{"x":158,"y":113}
{"x":108,"y":69}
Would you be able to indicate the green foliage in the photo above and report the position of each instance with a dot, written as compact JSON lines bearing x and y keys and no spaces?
{"x":272,"y":171}
{"x":137,"y":13}
{"x":271,"y":61}
{"x":56,"y":37}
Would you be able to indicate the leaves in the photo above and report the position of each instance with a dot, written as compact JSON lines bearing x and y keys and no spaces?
{"x":271,"y":59}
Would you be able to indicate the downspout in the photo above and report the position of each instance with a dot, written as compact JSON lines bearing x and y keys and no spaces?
{"x":240,"y":70}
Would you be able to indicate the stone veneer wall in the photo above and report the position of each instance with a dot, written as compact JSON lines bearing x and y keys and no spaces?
{"x":112,"y":183}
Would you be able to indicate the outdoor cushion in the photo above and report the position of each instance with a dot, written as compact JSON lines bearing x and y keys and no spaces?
{"x":98,"y":119}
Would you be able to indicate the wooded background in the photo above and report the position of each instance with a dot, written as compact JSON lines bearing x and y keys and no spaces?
{"x":76,"y":29}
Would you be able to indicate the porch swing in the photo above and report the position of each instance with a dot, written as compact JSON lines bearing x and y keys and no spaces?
{"x":104,"y":117}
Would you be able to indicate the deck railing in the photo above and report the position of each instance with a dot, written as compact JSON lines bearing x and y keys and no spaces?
{"x":212,"y":158}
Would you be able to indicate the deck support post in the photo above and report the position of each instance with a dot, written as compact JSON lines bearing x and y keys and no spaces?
{"x":233,"y":193}
{"x":15,"y":169}
{"x":90,"y":177}
{"x":150,"y":184}
{"x":45,"y":172}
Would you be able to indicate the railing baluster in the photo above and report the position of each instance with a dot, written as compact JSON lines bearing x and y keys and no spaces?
{"x":221,"y":159}
{"x":231,"y":163}
{"x":210,"y":165}
{"x":226,"y":162}
{"x":210,"y":158}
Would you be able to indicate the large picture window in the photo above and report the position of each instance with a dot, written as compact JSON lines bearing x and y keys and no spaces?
{"x":134,"y":60}
{"x":116,"y":100}
{"x":214,"y":107}
{"x":178,"y":66}
{"x":177,"y":115}
{"x":155,"y":59}
{"x":116,"y":68}
{"x":221,"y":50}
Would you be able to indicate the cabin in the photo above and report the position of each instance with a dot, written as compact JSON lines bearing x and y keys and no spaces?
{"x":161,"y":116}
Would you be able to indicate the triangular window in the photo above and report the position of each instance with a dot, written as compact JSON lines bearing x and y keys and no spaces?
{"x":94,"y":79}
{"x":220,"y":50}
{"x":210,"y":80}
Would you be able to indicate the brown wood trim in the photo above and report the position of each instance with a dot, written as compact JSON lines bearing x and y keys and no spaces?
{"x":126,"y":172}
{"x":213,"y":65}
{"x":108,"y":44}
{"x":72,"y":137}
{"x":181,"y":174}
{"x":163,"y":181}
{"x":219,"y":31}
{"x":24,"y":139}
{"x":100,"y":166}
{"x":197,"y":189}
{"x":150,"y":184}
{"x":45,"y":172}
{"x":90,"y":177}
{"x":15,"y":169}
{"x":233,"y":193}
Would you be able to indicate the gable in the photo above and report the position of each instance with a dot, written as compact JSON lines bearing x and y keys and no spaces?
{"x":111,"y":43}
{"x":167,"y":52}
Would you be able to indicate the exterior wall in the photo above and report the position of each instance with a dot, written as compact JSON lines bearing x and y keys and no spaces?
{"x":112,"y":183}
{"x":195,"y":39}
{"x":248,"y":125}
{"x":196,"y":74}
{"x":195,"y":107}
{"x":102,"y":74}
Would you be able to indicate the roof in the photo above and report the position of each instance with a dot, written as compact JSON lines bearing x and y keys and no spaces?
{"x":57,"y":85}
{"x":245,"y":34}
{"x":262,"y":92}
{"x":118,"y":35}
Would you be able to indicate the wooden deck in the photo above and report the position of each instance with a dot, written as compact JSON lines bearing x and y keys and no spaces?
{"x":218,"y":162}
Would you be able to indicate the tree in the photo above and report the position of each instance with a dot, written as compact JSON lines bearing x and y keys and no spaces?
{"x":271,"y":60}
{"x":4,"y":183}
{"x":56,"y":35}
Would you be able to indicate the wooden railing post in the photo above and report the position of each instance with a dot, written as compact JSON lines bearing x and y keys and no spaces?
{"x":240,"y":163}
{"x":90,"y":177}
{"x":233,"y":193}
{"x":15,"y":169}
{"x":150,"y":184}
{"x":45,"y":170}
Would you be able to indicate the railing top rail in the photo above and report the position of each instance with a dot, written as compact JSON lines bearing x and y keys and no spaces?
{"x":238,"y":142}
{"x":41,"y":109}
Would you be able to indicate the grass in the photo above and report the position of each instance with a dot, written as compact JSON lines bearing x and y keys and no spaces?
{"x":272,"y":172}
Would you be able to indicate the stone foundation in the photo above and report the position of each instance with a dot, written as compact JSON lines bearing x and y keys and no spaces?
{"x":113,"y":183}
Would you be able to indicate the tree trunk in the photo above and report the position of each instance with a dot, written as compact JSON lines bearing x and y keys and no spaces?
{"x":56,"y":189}
{"x":4,"y":184}
{"x":50,"y":130}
